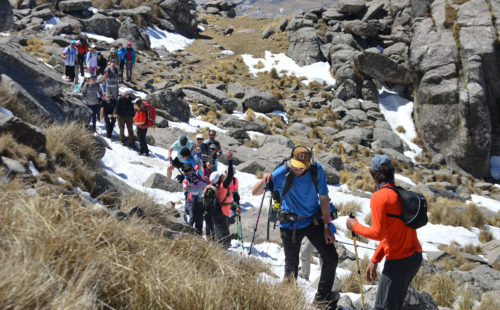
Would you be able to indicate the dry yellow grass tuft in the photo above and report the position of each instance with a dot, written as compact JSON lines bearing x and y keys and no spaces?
{"x":489,"y":303}
{"x":351,"y":282}
{"x":60,"y":255}
{"x":250,"y":115}
{"x":346,"y":207}
{"x":35,"y":48}
{"x":442,"y":288}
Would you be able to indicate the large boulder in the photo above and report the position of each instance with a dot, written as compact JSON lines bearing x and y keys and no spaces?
{"x":159,"y":181}
{"x":413,"y":300}
{"x":383,"y":68}
{"x":168,"y":101}
{"x":74,"y":6}
{"x":132,"y":33}
{"x":350,"y":6}
{"x":304,"y":47}
{"x":359,"y":135}
{"x":246,"y":125}
{"x":6,"y":15}
{"x":23,"y":132}
{"x":262,"y":101}
{"x":479,"y":280}
{"x":261,"y":140}
{"x":103,"y":25}
{"x":180,"y":15}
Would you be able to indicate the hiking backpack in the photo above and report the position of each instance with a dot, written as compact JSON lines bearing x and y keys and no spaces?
{"x":150,"y":114}
{"x":209,"y":198}
{"x":414,"y":207}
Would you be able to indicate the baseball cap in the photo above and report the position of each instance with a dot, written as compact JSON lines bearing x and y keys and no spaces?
{"x":379,"y":160}
{"x":199,"y":136}
{"x":129,"y":43}
{"x":112,"y":50}
{"x":300,"y":157}
{"x":72,"y":42}
{"x":215,"y":176}
{"x":183,"y":140}
{"x":92,"y":45}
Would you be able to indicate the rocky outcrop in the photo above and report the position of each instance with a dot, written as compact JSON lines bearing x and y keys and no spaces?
{"x":168,"y":101}
{"x":23,"y":132}
{"x":6,"y":15}
{"x":261,"y":101}
{"x":103,"y":25}
{"x":218,"y":7}
{"x":304,"y":47}
{"x":159,"y":181}
{"x":74,"y":6}
{"x":178,"y":16}
{"x":132,"y":33}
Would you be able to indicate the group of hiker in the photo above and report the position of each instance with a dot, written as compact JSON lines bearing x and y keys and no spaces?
{"x":80,"y":54}
{"x":304,"y":211}
{"x":211,"y":195}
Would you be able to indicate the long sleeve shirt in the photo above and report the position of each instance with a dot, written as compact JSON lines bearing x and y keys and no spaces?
{"x":396,"y":239}
{"x":196,"y":181}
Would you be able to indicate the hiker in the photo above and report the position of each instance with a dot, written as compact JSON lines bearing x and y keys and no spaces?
{"x":398,"y":242}
{"x":209,"y":167}
{"x":193,"y":184}
{"x":69,"y":54}
{"x":124,"y":112}
{"x":102,"y":63}
{"x":212,"y":140}
{"x":121,"y":54}
{"x":91,"y":60}
{"x":198,"y":145}
{"x":114,"y":56}
{"x":222,"y":213}
{"x":91,"y":94}
{"x":107,"y":107}
{"x":111,"y":78}
{"x":141,"y":116}
{"x":129,"y":60}
{"x":304,"y":214}
{"x":178,"y":145}
{"x":83,"y":48}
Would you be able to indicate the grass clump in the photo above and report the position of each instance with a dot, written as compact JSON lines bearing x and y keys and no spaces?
{"x":489,"y":303}
{"x":250,"y":115}
{"x":400,"y":129}
{"x":442,"y":212}
{"x":60,"y":255}
{"x":442,"y":288}
{"x":346,"y":207}
{"x":35,"y":47}
{"x":351,"y":282}
{"x":485,"y":236}
{"x":451,"y":15}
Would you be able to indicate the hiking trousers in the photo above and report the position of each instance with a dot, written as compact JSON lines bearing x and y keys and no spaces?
{"x":93,"y":116}
{"x":394,"y":281}
{"x":110,"y":124}
{"x":195,"y":211}
{"x":129,"y":121}
{"x":141,"y":135}
{"x":209,"y":225}
{"x":221,"y":228}
{"x":328,"y":253}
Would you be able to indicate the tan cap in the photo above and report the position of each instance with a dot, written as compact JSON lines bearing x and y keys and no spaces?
{"x":300,"y":157}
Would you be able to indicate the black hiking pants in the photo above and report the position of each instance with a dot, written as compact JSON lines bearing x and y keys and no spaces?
{"x":141,"y":134}
{"x":209,"y":225}
{"x":110,"y":124}
{"x":221,"y":228}
{"x":195,"y":211}
{"x":328,"y":253}
{"x":394,"y":281}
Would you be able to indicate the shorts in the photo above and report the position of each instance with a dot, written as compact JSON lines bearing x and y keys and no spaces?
{"x":177,"y":163}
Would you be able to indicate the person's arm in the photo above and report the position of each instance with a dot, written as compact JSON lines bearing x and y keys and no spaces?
{"x":115,"y":110}
{"x":133,"y":56}
{"x":230,"y":170}
{"x":104,"y":77}
{"x":170,"y":154}
{"x":259,"y":187}
{"x":102,"y":114}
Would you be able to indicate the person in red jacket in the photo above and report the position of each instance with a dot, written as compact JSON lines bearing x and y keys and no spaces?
{"x":83,"y":48}
{"x":140,"y":121}
{"x":398,"y":242}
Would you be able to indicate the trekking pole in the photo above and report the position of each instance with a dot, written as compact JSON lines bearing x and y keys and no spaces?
{"x":268,"y":212}
{"x":357,"y":263}
{"x":359,"y":246}
{"x":257,"y":222}
{"x":239,"y":231}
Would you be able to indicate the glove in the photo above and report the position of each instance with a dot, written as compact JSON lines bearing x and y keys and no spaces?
{"x":236,"y":197}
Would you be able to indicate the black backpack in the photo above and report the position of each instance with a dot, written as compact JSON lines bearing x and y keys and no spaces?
{"x":414,"y":207}
{"x":209,"y":198}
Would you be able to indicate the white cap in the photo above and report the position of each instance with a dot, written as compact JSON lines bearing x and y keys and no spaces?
{"x":87,"y":75}
{"x":215,"y":176}
{"x":199,"y":136}
{"x":92,"y":45}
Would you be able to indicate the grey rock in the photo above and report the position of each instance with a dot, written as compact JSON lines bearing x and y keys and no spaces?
{"x":180,"y":15}
{"x":369,"y":105}
{"x":168,"y":101}
{"x":480,"y":279}
{"x":104,"y":25}
{"x":23,"y":132}
{"x":474,"y":13}
{"x":413,"y":300}
{"x":238,"y":134}
{"x":383,"y":68}
{"x":331,"y":174}
{"x":251,"y":166}
{"x":350,"y":6}
{"x":352,"y":104}
{"x":282,"y":24}
{"x":132,"y":33}
{"x":6,"y":15}
{"x":304,"y":48}
{"x":246,"y":125}
{"x":347,"y":90}
{"x":237,"y":90}
{"x":159,"y":181}
{"x":267,"y":33}
{"x":262,"y":101}
{"x":209,"y":95}
{"x":359,"y":28}
{"x":43,"y":14}
{"x":492,"y":250}
{"x":277,"y":139}
{"x":13,"y":166}
{"x":100,"y":147}
{"x":300,"y":128}
{"x":384,"y":138}
{"x":72,"y":6}
{"x":358,"y":135}
{"x":332,"y":160}
{"x":374,"y":8}
{"x":68,"y":25}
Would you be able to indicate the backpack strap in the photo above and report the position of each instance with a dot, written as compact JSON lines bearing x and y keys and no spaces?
{"x":394,"y":188}
{"x":222,"y":203}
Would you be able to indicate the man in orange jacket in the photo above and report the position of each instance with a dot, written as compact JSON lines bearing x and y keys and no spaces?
{"x":398,"y":242}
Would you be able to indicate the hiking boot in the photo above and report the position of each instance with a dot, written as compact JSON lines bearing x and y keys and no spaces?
{"x":303,"y":276}
{"x":330,"y":302}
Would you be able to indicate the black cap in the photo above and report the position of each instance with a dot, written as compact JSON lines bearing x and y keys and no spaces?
{"x":185,"y":152}
{"x":183,"y":140}
{"x":187,"y":167}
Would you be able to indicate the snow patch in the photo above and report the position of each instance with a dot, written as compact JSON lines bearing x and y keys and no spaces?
{"x":171,"y":41}
{"x":488,"y":203}
{"x":54,"y":20}
{"x":6,"y":111}
{"x":319,"y":71}
{"x":99,"y":37}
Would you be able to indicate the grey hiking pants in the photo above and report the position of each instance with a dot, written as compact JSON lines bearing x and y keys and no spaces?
{"x":394,"y":281}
